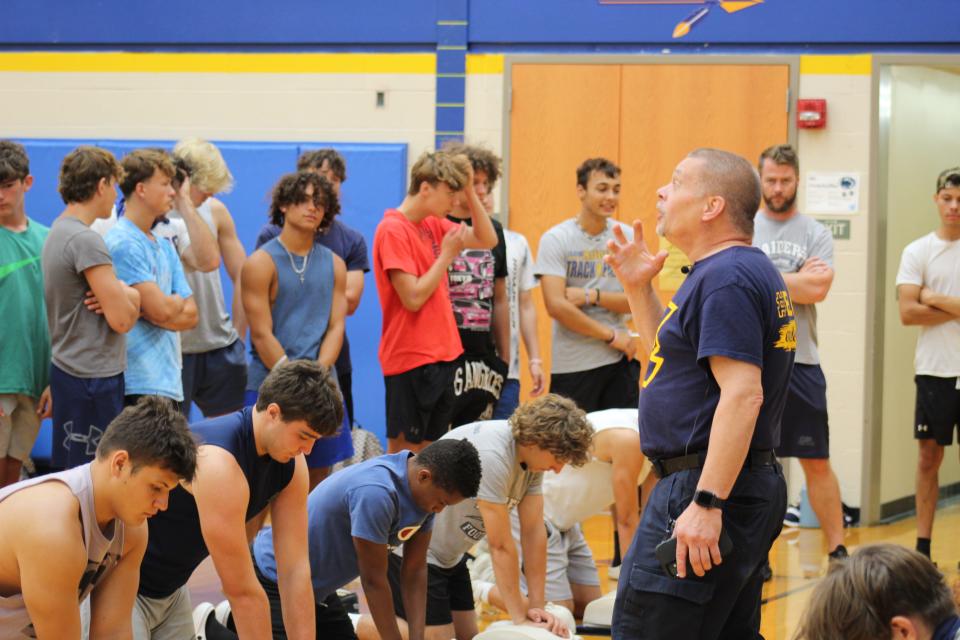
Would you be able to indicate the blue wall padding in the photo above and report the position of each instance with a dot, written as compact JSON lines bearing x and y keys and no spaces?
{"x":376,"y":180}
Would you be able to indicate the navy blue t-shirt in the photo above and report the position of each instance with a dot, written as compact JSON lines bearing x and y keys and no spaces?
{"x":350,"y":245}
{"x":733,"y":304}
{"x":176,"y":544}
{"x":371,"y":501}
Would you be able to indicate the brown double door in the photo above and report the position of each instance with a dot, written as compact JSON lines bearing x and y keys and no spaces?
{"x":645,"y":118}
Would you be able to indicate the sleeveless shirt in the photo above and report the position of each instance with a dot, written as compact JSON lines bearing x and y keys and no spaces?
{"x":103,"y":550}
{"x":301,"y":310}
{"x":176,"y":544}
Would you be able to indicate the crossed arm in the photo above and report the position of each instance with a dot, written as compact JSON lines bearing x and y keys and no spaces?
{"x":923,"y":306}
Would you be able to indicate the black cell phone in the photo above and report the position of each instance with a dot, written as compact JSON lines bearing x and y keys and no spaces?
{"x":666,"y":554}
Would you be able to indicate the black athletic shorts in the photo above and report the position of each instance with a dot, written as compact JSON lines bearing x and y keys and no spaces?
{"x":420,"y":402}
{"x":612,"y":386}
{"x":804,"y":431}
{"x":477,"y":383}
{"x":333,"y":623}
{"x":215,"y":380}
{"x":448,"y":590}
{"x":938,"y":409}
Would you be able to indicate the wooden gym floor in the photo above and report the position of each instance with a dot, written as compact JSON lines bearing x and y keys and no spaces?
{"x":798,"y":560}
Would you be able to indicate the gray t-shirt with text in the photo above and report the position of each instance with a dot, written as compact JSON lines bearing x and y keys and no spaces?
{"x":788,"y":244}
{"x":82,"y":343}
{"x":457,"y":528}
{"x":569,"y":252}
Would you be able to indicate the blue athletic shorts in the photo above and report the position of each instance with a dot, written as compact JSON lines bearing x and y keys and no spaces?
{"x":82,"y":409}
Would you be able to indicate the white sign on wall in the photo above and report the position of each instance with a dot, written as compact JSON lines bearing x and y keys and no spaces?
{"x":833,"y":193}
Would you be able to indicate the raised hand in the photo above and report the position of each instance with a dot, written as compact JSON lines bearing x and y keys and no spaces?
{"x":632,"y":261}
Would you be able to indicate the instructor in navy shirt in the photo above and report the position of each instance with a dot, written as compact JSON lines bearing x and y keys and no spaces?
{"x":713,"y":394}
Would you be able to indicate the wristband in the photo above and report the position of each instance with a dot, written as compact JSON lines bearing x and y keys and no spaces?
{"x":613,"y":337}
{"x":279,"y":362}
{"x":586,"y":296}
{"x":596,"y":301}
{"x":536,"y":361}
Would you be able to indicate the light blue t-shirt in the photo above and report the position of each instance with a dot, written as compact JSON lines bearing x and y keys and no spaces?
{"x":371,"y":501}
{"x":153,"y":353}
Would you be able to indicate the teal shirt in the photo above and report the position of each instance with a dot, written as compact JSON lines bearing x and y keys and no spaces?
{"x":25,"y":347}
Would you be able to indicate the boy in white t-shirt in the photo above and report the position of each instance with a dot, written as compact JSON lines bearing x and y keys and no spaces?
{"x":928,"y":287}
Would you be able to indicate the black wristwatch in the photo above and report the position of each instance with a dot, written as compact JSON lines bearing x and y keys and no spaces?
{"x":708,"y":500}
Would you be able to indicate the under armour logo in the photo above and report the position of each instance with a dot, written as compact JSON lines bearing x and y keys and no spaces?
{"x":922,"y":428}
{"x":91,"y":439}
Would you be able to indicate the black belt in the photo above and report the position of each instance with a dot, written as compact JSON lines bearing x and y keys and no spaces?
{"x":663,"y":467}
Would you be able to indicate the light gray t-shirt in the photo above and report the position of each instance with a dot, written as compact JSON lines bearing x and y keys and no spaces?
{"x":103,"y":548}
{"x":457,"y":528}
{"x":82,"y":343}
{"x":788,"y":244}
{"x":214,"y":329}
{"x":569,"y":252}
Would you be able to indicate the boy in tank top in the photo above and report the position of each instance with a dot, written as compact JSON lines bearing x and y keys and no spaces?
{"x":83,"y":531}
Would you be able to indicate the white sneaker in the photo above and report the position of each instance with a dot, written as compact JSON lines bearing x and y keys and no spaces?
{"x":202,"y":613}
{"x":614,"y":572}
{"x":222,"y":612}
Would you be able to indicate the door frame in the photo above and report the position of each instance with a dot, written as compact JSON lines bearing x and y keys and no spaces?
{"x":872,"y":511}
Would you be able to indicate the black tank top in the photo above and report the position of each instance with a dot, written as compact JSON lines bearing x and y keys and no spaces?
{"x":176,"y":545}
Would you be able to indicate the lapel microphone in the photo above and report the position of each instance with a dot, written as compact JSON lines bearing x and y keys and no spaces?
{"x":687,"y":268}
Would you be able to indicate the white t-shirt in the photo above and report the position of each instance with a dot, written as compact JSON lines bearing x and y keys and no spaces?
{"x":575,"y":494}
{"x":520,"y":278}
{"x":934,"y":263}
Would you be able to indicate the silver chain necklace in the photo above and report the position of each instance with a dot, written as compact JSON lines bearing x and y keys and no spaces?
{"x":301,"y":272}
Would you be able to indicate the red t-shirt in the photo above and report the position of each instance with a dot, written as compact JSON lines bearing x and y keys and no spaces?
{"x":411,"y":339}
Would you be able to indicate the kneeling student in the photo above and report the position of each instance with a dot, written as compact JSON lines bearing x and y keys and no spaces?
{"x":543,"y":434}
{"x":248,"y":460}
{"x":83,"y":531}
{"x":356,"y":516}
{"x":611,"y":477}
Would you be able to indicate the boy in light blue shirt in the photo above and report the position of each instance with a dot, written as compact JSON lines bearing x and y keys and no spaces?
{"x":356,"y":515}
{"x":150,"y":264}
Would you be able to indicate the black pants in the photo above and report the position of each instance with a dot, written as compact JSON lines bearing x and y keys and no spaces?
{"x":333,"y":623}
{"x":612,"y":386}
{"x":725,"y":603}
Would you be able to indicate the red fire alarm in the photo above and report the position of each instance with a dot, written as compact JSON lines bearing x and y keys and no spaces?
{"x":812,"y":113}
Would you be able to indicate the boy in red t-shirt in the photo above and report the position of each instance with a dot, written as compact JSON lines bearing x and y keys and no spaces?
{"x":412,"y":249}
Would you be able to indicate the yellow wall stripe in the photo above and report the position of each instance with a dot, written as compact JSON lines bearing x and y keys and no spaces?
{"x":485,"y":63}
{"x":412,"y":63}
{"x":859,"y":65}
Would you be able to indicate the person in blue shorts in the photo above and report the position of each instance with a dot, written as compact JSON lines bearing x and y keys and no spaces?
{"x":294,"y":295}
{"x":356,"y":516}
{"x":88,"y":309}
{"x":344,"y":241}
{"x":247,"y":461}
{"x":713,"y":394}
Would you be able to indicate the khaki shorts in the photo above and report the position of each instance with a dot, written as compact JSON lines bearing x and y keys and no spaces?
{"x":18,"y":426}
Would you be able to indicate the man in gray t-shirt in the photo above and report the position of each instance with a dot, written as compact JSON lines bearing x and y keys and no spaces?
{"x":802,"y":250}
{"x":543,"y":434}
{"x":592,"y":354}
{"x":88,"y":309}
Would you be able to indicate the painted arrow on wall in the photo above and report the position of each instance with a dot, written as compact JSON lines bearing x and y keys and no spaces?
{"x":684,"y":26}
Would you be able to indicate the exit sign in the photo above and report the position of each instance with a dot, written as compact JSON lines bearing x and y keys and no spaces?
{"x":839,"y":229}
